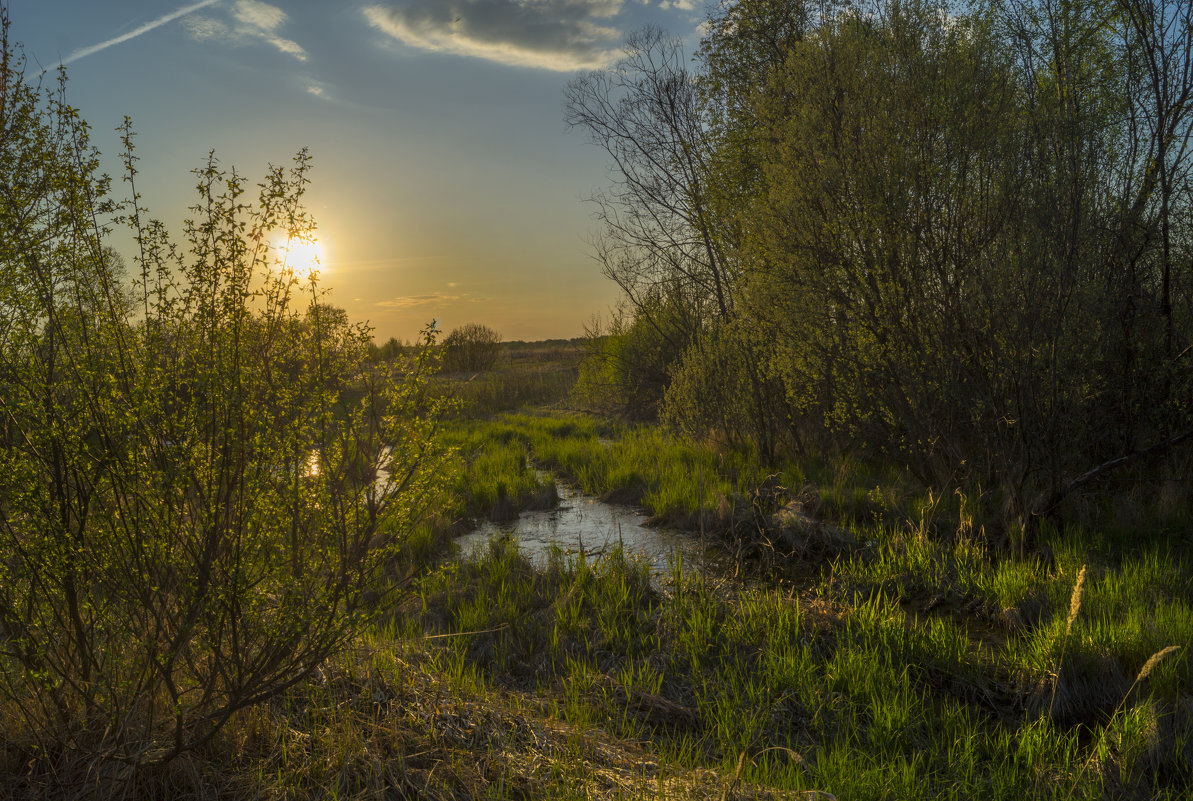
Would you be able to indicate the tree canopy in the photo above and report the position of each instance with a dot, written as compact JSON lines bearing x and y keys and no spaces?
{"x":953,"y":237}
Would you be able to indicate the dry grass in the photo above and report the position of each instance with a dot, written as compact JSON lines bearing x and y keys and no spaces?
{"x":386,"y":721}
{"x":1074,"y":609}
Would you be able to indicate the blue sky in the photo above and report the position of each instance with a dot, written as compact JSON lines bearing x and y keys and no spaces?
{"x":445,"y":183}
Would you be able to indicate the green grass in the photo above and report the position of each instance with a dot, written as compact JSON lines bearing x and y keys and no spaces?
{"x":917,"y":662}
{"x":695,"y":485}
{"x":916,"y":665}
{"x":858,"y":696}
{"x":669,"y":477}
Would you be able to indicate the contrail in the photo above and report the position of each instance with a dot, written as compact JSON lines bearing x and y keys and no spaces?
{"x":146,"y":28}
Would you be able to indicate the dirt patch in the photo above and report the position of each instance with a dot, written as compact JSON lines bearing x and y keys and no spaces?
{"x":624,"y":496}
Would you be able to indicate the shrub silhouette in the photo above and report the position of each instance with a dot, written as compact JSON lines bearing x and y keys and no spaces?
{"x":472,"y":347}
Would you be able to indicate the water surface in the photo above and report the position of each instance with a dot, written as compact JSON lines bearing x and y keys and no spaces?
{"x":583,"y":523}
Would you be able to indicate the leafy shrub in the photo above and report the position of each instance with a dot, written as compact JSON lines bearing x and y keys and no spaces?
{"x":189,"y":517}
{"x":629,"y":363}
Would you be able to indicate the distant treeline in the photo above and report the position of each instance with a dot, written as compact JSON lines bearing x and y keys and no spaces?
{"x":517,"y":348}
{"x":951,"y":237}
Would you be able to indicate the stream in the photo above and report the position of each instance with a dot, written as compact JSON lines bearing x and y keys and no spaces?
{"x":584,"y":523}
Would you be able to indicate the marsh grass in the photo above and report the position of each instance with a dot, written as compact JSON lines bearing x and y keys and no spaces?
{"x":917,"y":666}
{"x":1020,"y":664}
{"x":525,"y":375}
{"x":856,"y":696}
{"x":677,"y":481}
{"x":702,"y":487}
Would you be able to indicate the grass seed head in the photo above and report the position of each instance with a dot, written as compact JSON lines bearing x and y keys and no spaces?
{"x":1075,"y":600}
{"x":1156,"y":659}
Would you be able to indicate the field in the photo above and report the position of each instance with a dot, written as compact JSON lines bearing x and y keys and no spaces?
{"x":872,"y":479}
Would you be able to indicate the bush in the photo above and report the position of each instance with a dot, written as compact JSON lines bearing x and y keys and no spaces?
{"x":721,"y":389}
{"x":189,"y":521}
{"x":472,"y":347}
{"x":629,"y":363}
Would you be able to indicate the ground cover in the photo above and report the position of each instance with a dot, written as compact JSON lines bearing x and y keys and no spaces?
{"x":912,"y":660}
{"x":909,"y":660}
{"x":913,"y":669}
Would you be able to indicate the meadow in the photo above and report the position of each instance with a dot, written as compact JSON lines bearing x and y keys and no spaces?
{"x":902,"y":344}
{"x":867,"y":642}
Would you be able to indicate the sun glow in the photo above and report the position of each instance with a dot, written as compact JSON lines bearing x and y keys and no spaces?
{"x":300,"y":254}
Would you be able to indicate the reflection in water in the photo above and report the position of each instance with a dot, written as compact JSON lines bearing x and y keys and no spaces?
{"x":585,"y":523}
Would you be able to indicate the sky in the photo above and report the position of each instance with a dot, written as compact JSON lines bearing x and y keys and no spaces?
{"x":445,"y":183}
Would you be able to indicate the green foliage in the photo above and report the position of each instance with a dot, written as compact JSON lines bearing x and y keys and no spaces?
{"x":950,"y":237}
{"x":721,"y":389}
{"x":877,"y":315}
{"x":201,"y":481}
{"x":629,"y":364}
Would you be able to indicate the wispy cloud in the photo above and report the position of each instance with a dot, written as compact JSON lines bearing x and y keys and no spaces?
{"x":560,"y":35}
{"x":251,"y":20}
{"x":138,"y":31}
{"x":410,"y":301}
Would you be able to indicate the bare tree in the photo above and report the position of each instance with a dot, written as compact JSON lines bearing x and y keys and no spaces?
{"x":658,"y":232}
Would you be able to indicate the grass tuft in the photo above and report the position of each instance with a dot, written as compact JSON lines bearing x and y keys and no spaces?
{"x":1074,"y":608}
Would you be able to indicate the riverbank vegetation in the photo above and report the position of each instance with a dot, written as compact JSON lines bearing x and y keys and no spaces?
{"x":905,"y":348}
{"x":948,"y":237}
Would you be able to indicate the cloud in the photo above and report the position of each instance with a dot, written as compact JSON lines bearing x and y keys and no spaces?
{"x":135,"y":32}
{"x":256,"y":14}
{"x":409,"y":301}
{"x":252,"y":20}
{"x":679,"y":5}
{"x":207,"y":28}
{"x":560,"y":35}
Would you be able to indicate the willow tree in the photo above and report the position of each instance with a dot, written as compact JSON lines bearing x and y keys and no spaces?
{"x":888,"y":162}
{"x":958,"y":241}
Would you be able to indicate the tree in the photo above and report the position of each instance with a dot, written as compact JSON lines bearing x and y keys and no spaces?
{"x":951,"y":236}
{"x":190,"y":516}
{"x":658,"y":238}
{"x":956,"y":239}
{"x":471,"y":347}
{"x":388,"y":351}
{"x":887,"y":162}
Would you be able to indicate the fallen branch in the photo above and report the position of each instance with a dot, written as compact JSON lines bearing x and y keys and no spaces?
{"x":1106,"y":467}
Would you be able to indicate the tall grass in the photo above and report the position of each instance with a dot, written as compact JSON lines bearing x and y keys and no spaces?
{"x":913,"y":665}
{"x":524,"y":376}
{"x":916,"y":666}
{"x":863,"y":697}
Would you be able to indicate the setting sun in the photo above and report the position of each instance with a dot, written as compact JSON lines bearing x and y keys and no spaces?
{"x":300,"y":254}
